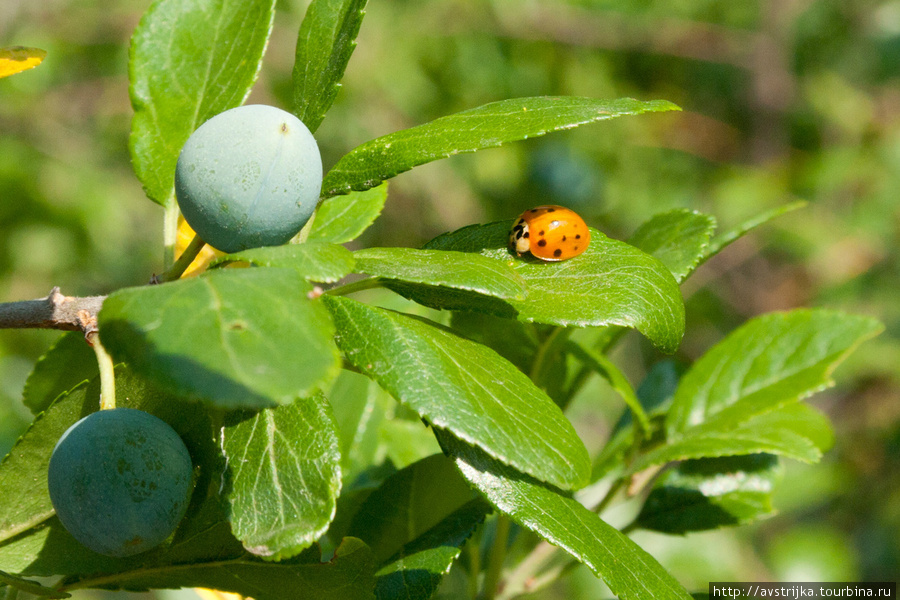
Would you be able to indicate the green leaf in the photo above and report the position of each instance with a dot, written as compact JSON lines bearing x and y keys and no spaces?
{"x":358,"y":405}
{"x":32,"y":541}
{"x":324,"y":46}
{"x":189,"y":61}
{"x":655,"y":395}
{"x":462,"y":386}
{"x":374,"y":429}
{"x":24,"y":499}
{"x":31,"y":587}
{"x":416,"y":571}
{"x":487,"y":126}
{"x":348,"y":576}
{"x":798,"y":419}
{"x":625,"y":567}
{"x":767,"y":363}
{"x":678,"y":238}
{"x":443,"y":268}
{"x":353,"y":496}
{"x":611,"y":283}
{"x":408,"y":504}
{"x":315,"y":261}
{"x":236,"y":338}
{"x":403,"y":441}
{"x":341,"y":219}
{"x":709,"y":493}
{"x":515,"y":341}
{"x":725,"y":238}
{"x":69,"y":362}
{"x":608,"y":370}
{"x":285,"y":476}
{"x":794,"y":431}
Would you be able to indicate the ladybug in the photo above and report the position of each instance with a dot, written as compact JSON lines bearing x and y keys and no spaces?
{"x":550,"y":233}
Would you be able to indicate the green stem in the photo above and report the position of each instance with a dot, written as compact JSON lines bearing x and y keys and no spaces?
{"x":610,"y":494}
{"x":184,"y":261}
{"x":357,"y":286}
{"x":497,"y":558}
{"x":520,"y":580}
{"x":473,"y":549}
{"x":107,"y":374}
{"x":170,"y":234}
{"x":605,"y":367}
{"x":545,"y":351}
{"x":629,"y":528}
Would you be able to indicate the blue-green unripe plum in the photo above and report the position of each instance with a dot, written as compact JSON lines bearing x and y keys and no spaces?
{"x":120,"y":481}
{"x":249,"y":177}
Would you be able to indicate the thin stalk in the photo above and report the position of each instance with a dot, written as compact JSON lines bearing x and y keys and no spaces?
{"x":610,"y":494}
{"x":497,"y":558}
{"x":546,"y":349}
{"x":606,"y":368}
{"x":170,"y":234}
{"x":107,"y":374}
{"x":520,"y":580}
{"x":184,"y":261}
{"x":473,"y":549}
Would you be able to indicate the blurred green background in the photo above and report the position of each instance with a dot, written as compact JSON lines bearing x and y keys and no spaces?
{"x":782,"y":99}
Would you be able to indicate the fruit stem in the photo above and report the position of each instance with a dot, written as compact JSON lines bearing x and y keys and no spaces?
{"x":304,"y":233}
{"x":107,"y":374}
{"x":184,"y":261}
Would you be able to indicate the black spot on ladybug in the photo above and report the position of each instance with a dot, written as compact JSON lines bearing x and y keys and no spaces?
{"x":564,"y":238}
{"x":551,"y":210}
{"x":526,"y":234}
{"x":541,"y":232}
{"x":533,"y":210}
{"x":542,"y":243}
{"x":578,"y":237}
{"x":558,"y":252}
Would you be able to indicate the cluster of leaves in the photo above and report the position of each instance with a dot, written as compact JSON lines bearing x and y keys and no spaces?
{"x":246,"y":364}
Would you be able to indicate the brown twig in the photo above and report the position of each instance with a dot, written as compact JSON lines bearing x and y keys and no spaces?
{"x":56,"y":311}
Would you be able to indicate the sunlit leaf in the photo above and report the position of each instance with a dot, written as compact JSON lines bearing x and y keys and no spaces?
{"x":487,"y":126}
{"x":285,"y":476}
{"x":324,"y":46}
{"x":464,"y":387}
{"x":343,"y":218}
{"x":611,"y":283}
{"x":442,"y":268}
{"x":315,"y":261}
{"x":245,"y":338}
{"x":709,"y":493}
{"x":628,"y":570}
{"x":189,"y":61}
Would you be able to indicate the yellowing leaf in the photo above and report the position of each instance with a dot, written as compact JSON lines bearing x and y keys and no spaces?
{"x":16,"y":59}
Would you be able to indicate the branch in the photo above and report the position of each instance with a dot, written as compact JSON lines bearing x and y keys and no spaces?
{"x":56,"y":311}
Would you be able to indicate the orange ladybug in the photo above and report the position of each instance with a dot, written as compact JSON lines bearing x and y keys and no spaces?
{"x":550,"y":233}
